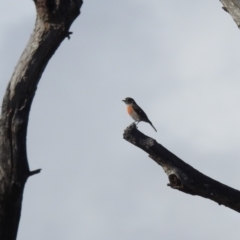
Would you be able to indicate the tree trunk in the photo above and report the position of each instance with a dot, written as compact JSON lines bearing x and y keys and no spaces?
{"x":54,"y":18}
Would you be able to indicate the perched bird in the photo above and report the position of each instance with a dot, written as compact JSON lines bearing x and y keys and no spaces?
{"x":136,"y":112}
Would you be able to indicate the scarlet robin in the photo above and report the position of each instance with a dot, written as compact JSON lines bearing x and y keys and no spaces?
{"x":136,"y":112}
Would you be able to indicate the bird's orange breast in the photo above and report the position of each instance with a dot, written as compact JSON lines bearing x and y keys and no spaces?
{"x":130,"y":110}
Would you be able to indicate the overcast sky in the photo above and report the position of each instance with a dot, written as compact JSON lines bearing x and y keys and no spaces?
{"x":180,"y":61}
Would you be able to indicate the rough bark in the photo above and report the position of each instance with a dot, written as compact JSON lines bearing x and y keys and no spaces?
{"x":233,"y":8}
{"x":182,"y":176}
{"x":54,"y":18}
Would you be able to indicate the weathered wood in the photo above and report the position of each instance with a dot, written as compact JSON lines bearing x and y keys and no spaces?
{"x":233,"y":8}
{"x":182,"y":176}
{"x":54,"y":18}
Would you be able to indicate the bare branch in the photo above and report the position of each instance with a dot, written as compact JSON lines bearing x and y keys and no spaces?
{"x":31,"y":173}
{"x":233,"y":8}
{"x":182,"y":176}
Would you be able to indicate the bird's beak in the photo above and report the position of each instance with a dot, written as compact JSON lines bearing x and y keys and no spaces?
{"x":124,"y":101}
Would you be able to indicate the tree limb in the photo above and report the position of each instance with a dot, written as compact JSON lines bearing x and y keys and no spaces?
{"x":182,"y":176}
{"x":54,"y":18}
{"x":233,"y":8}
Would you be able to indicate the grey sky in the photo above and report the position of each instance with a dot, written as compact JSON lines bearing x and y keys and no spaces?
{"x":180,"y":61}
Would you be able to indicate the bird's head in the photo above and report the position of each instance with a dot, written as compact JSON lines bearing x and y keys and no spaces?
{"x":128,"y":100}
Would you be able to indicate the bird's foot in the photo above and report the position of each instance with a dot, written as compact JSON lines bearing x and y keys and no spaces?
{"x":134,"y":124}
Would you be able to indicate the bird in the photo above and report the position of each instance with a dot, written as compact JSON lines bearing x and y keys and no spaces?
{"x":136,"y":112}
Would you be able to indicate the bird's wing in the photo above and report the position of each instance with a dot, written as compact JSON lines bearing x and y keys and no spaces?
{"x":138,"y":110}
{"x":143,"y":115}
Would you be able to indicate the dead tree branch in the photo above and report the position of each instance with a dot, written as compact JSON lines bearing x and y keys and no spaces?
{"x":233,"y":8}
{"x":54,"y":18}
{"x":182,"y":176}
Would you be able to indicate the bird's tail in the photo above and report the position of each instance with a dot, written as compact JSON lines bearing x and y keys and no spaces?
{"x":152,"y":126}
